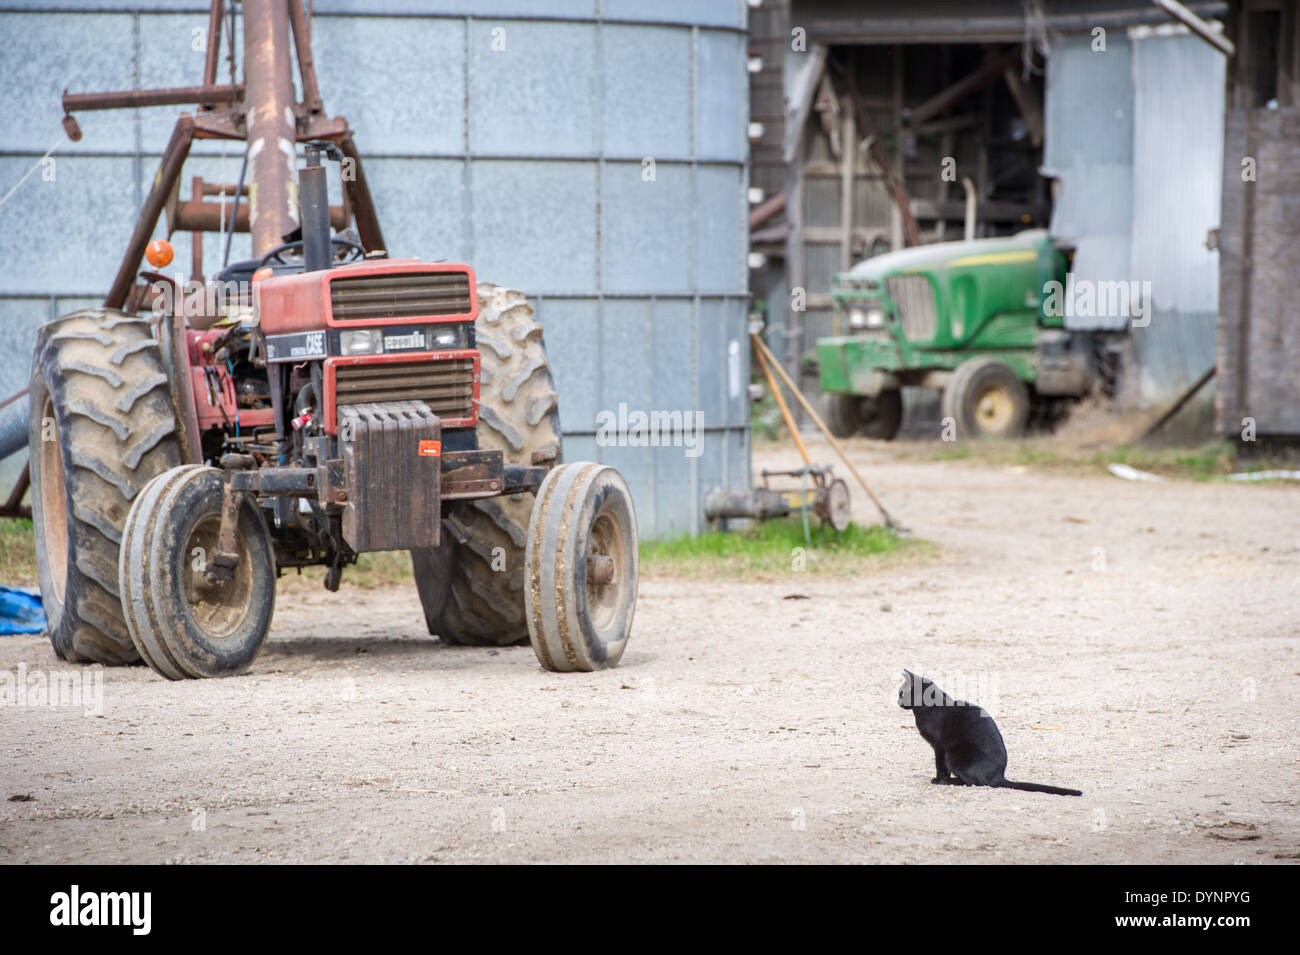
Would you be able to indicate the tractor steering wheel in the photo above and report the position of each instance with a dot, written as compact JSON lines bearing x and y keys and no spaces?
{"x":355,"y":251}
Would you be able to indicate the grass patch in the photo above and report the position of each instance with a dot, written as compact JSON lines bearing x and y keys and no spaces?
{"x":1210,"y":461}
{"x":17,"y":553}
{"x":776,"y":547}
{"x":952,"y":452}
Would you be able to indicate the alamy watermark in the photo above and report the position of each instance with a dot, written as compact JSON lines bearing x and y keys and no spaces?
{"x":976,"y":689}
{"x":634,"y":428}
{"x":1087,"y":298}
{"x":214,"y":297}
{"x":131,"y":910}
{"x":83,"y":687}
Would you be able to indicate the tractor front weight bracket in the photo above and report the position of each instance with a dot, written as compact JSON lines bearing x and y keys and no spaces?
{"x":223,"y":562}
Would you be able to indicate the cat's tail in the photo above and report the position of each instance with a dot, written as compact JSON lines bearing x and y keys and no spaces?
{"x":1038,"y":788}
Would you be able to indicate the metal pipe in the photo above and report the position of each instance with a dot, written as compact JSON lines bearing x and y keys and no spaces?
{"x":363,"y":205}
{"x":272,"y":128}
{"x":1198,"y":26}
{"x":13,"y":506}
{"x":985,"y":74}
{"x":972,"y":205}
{"x":306,"y":68}
{"x":168,"y":96}
{"x":13,"y":426}
{"x":240,"y":191}
{"x":194,"y":216}
{"x":178,"y":147}
{"x":214,"y":42}
{"x":766,"y":210}
{"x":315,"y":214}
{"x":222,"y":189}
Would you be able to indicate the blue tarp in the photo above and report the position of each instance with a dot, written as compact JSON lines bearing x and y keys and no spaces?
{"x":21,"y":611}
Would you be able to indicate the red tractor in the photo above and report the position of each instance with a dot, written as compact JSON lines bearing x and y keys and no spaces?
{"x":315,"y":403}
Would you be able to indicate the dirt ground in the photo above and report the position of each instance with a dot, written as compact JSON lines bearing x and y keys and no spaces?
{"x":1136,"y":641}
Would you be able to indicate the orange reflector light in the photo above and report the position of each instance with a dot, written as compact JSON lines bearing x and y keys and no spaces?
{"x":159,"y":253}
{"x":263,"y":273}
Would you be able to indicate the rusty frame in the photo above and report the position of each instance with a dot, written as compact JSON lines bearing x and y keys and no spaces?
{"x":261,"y":111}
{"x":223,"y":113}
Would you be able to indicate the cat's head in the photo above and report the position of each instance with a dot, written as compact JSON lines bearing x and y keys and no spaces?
{"x":912,"y":693}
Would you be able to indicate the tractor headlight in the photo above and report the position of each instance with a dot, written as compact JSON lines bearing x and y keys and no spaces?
{"x":861,"y":319}
{"x":361,"y":341}
{"x":450,"y":336}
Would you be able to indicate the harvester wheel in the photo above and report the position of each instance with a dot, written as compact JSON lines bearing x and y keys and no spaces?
{"x":841,"y":414}
{"x":879,"y":417}
{"x":102,"y":426}
{"x":882,"y":415}
{"x":582,"y":568}
{"x":986,"y":399}
{"x":472,"y":587}
{"x":183,"y":623}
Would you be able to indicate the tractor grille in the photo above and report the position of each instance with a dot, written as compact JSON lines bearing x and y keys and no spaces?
{"x":914,"y":296}
{"x":368,"y":298}
{"x":446,"y":386}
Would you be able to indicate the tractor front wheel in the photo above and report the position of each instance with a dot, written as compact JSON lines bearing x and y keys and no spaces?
{"x":986,"y":399}
{"x":184,"y":624}
{"x":581,"y":561}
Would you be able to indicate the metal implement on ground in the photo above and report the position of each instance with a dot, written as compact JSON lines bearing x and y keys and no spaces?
{"x":769,"y":362}
{"x":820,"y":494}
{"x":828,"y":498}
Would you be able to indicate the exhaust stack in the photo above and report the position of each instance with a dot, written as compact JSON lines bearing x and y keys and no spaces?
{"x":313,"y":190}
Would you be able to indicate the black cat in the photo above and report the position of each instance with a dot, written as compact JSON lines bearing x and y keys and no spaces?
{"x":968,"y":749}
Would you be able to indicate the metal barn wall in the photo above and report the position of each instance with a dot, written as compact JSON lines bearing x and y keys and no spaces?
{"x":1135,"y":135}
{"x":526,"y":162}
{"x":1178,"y":153}
{"x":1088,"y":147}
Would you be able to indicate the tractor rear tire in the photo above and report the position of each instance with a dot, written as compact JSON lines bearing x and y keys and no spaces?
{"x":879,"y":418}
{"x":582,"y":568}
{"x":472,"y":587}
{"x":986,"y":399}
{"x":102,"y":426}
{"x":184,"y":625}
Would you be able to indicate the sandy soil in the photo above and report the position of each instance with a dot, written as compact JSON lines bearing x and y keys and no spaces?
{"x":1137,"y":641}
